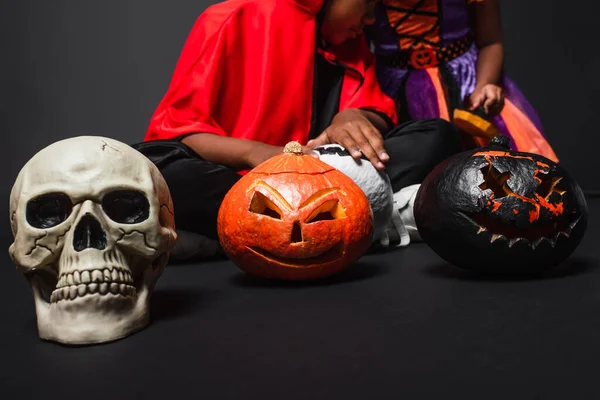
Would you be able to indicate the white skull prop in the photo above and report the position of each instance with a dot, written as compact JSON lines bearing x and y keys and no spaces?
{"x":93,"y":225}
{"x":375,"y":184}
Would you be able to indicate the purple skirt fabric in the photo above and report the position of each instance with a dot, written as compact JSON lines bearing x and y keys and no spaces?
{"x":422,"y":98}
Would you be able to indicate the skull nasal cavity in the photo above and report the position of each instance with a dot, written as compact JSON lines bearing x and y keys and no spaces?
{"x":89,"y":234}
{"x":296,"y":233}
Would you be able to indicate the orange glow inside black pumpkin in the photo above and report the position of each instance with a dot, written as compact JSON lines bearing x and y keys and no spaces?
{"x":535,"y":212}
{"x":294,"y":217}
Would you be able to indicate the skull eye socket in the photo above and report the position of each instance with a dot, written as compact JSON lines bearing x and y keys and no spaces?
{"x":48,"y":210}
{"x":329,"y":210}
{"x":126,"y":206}
{"x":260,"y":204}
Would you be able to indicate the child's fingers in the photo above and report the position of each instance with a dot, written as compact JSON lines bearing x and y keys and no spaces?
{"x":320,"y":140}
{"x":310,"y":152}
{"x":366,"y":147}
{"x":489,"y":103}
{"x":497,"y":107}
{"x":476,"y":101}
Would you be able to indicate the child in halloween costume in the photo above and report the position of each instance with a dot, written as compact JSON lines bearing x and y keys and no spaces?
{"x":443,"y":58}
{"x":256,"y":74}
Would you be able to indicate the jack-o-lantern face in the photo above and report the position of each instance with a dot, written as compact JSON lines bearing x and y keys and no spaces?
{"x":424,"y":57}
{"x":294,"y":217}
{"x":498,"y":210}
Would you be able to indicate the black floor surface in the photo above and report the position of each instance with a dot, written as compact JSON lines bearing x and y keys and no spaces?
{"x":401,"y":325}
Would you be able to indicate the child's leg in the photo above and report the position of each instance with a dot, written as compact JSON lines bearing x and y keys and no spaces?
{"x":197,"y":188}
{"x":415,"y":147}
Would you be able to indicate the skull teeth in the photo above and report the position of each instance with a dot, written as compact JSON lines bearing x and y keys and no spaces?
{"x":97,"y":276}
{"x":75,"y":291}
{"x":94,"y":276}
{"x":103,"y":288}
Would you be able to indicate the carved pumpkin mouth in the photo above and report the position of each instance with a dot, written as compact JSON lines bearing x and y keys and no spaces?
{"x":511,"y":235}
{"x":333,"y":254}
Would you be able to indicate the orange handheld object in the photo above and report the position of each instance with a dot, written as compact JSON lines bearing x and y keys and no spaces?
{"x":474,"y":125}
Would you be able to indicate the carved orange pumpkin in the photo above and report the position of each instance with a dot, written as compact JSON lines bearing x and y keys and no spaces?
{"x":294,"y":217}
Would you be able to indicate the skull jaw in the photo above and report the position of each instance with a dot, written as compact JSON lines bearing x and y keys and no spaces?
{"x":56,"y":323}
{"x":94,"y":318}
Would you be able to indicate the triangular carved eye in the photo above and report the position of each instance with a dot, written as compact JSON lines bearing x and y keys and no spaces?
{"x":495,"y":181}
{"x":260,"y":204}
{"x":547,"y":185}
{"x":329,"y":210}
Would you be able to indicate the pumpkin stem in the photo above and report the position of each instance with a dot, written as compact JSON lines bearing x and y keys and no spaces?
{"x":500,"y":141}
{"x":293,"y":147}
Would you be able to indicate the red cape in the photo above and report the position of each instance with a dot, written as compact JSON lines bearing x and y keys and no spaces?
{"x":247,"y":71}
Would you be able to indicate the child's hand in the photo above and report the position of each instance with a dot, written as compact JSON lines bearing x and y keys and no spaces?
{"x":490,"y":96}
{"x":351,"y":129}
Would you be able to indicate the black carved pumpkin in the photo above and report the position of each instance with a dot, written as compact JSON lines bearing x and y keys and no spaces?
{"x":498,"y":210}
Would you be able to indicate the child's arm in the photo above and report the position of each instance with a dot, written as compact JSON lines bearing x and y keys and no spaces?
{"x":488,"y":38}
{"x":239,"y":154}
{"x":365,"y":117}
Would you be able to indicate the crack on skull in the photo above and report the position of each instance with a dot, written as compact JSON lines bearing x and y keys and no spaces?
{"x":58,"y":237}
{"x":13,"y":224}
{"x":136,"y":231}
{"x":170,"y":238}
{"x":105,"y":145}
{"x":36,"y":245}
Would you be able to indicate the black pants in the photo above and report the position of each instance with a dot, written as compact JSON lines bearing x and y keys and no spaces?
{"x":198,"y":186}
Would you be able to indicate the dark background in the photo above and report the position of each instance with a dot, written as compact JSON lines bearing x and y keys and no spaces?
{"x":408,"y":327}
